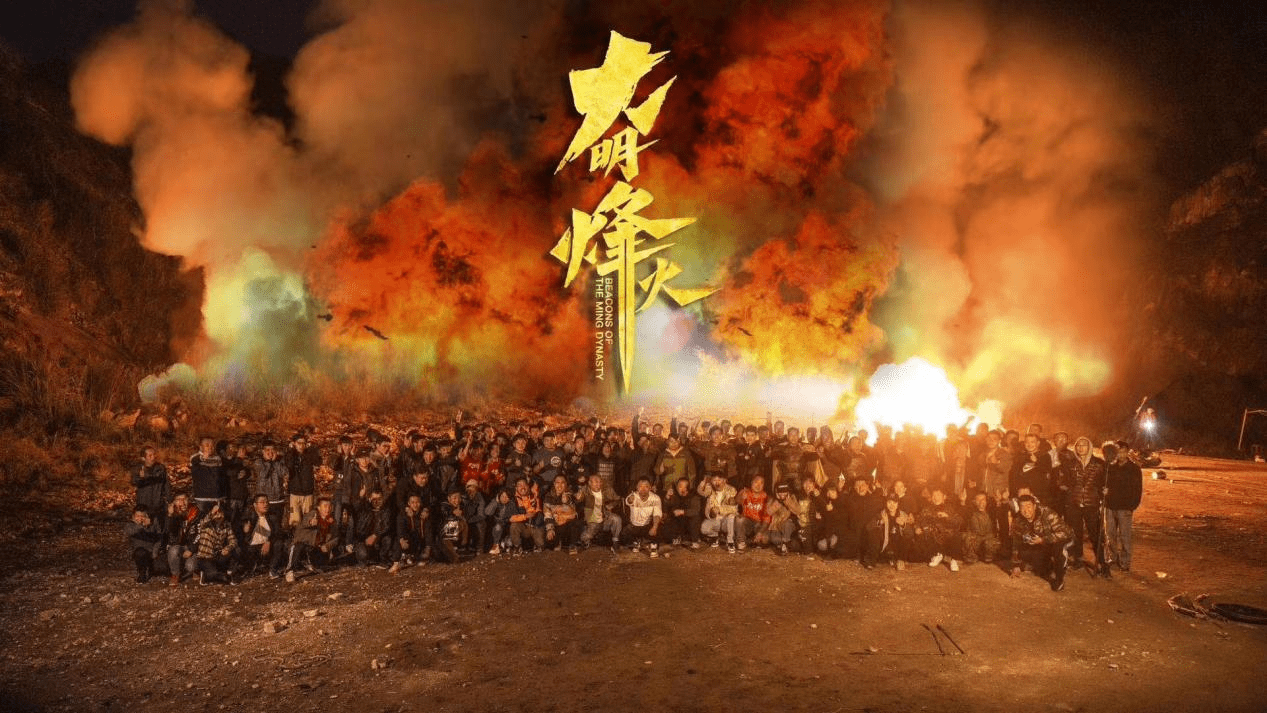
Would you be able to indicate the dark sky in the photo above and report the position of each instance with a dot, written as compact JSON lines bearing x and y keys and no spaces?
{"x":1206,"y":60}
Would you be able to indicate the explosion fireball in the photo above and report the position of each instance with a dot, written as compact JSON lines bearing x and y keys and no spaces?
{"x":873,"y":184}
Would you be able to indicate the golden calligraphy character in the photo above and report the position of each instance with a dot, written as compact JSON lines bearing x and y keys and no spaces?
{"x":602,"y":93}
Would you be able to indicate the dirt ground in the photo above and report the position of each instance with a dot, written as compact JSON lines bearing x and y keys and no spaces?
{"x":698,"y":631}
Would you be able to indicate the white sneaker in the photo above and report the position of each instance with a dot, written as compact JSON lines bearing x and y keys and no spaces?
{"x":636,"y":548}
{"x":936,"y":560}
{"x":901,"y":565}
{"x":290,"y":576}
{"x":743,"y":546}
{"x":954,"y":565}
{"x":394,"y":568}
{"x":495,"y":550}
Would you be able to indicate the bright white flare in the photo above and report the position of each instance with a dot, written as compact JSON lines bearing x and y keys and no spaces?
{"x":918,"y":393}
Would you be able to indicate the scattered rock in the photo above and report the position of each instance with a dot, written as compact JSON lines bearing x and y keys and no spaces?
{"x":335,"y":597}
{"x":272,"y":627}
{"x":1161,"y":575}
{"x":310,"y":613}
{"x":813,"y":626}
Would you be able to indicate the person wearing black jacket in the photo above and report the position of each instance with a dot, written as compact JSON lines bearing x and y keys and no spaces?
{"x":863,"y":536}
{"x":1125,"y":485}
{"x":262,"y":537}
{"x":145,"y":537}
{"x":374,"y":529}
{"x":683,"y":512}
{"x":239,"y":473}
{"x":1031,"y":472}
{"x":1083,"y":488}
{"x":206,"y":469}
{"x":179,"y":534}
{"x":302,"y":462}
{"x":150,"y":479}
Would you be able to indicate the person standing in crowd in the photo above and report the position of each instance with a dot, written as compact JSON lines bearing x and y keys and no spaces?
{"x":473,"y":504}
{"x":1031,"y":472}
{"x":206,"y":470}
{"x":301,"y":466}
{"x":270,"y":479}
{"x":1084,"y":478}
{"x":152,"y":485}
{"x":1124,"y":483}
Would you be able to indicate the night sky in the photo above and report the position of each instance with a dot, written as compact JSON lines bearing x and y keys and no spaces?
{"x":1206,"y":62}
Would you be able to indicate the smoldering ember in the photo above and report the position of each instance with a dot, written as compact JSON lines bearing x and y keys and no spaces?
{"x":825,"y":355}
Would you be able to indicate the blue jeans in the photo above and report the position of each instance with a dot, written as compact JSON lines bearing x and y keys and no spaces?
{"x":1119,"y":524}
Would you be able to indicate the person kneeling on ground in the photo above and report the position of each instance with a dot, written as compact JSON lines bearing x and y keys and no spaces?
{"x":1040,"y":538}
{"x":783,"y":509}
{"x":412,"y":525}
{"x":720,"y":511}
{"x":899,"y":534}
{"x":645,"y":513}
{"x":262,"y":537}
{"x":214,"y":548}
{"x":453,"y":529}
{"x":981,"y":534}
{"x":682,"y":516}
{"x":937,"y":530}
{"x":526,"y":519}
{"x":562,"y":525}
{"x":144,"y":538}
{"x":598,"y":503}
{"x":182,"y":519}
{"x":753,"y":520}
{"x":374,"y":532}
{"x":316,"y":538}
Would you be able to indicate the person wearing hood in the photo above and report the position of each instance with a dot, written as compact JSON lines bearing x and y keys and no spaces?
{"x":1083,"y":486}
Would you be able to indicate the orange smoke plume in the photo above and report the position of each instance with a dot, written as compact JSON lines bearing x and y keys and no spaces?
{"x":460,"y":288}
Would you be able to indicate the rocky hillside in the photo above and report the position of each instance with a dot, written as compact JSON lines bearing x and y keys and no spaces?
{"x":1208,"y":318}
{"x":84,"y":308}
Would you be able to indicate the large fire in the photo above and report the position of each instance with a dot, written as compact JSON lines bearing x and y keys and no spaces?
{"x":402,"y":240}
{"x":918,"y":393}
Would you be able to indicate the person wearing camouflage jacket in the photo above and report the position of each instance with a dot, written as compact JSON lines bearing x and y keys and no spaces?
{"x":1039,"y":541}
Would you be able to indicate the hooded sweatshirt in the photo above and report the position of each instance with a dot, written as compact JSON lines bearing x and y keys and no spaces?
{"x":1084,"y":477}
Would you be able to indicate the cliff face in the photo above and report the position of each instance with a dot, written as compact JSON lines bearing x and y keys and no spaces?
{"x":84,"y":308}
{"x":1207,"y":343}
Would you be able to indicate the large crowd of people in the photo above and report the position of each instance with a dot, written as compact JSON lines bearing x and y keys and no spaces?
{"x":480,"y":489}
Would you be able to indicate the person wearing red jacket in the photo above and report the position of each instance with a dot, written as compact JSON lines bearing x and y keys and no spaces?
{"x":753,"y":522}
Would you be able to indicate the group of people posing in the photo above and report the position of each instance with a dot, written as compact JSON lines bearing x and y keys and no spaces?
{"x":988,"y":495}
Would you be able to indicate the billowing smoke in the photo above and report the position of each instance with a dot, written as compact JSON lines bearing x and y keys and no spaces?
{"x":1016,"y":172}
{"x":870,"y":185}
